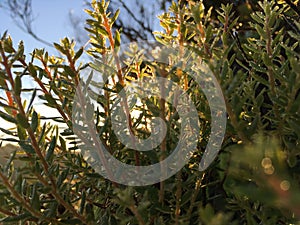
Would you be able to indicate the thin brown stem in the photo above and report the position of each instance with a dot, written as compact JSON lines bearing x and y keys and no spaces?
{"x":18,"y":197}
{"x":6,"y":212}
{"x":124,"y":103}
{"x":46,"y":69}
{"x":34,"y":142}
{"x":163,"y":145}
{"x":45,"y":91}
{"x":178,"y":197}
{"x":194,"y":196}
{"x":138,"y":216}
{"x":234,"y":122}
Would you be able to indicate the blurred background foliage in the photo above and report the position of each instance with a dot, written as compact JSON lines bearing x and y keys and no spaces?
{"x":253,"y":50}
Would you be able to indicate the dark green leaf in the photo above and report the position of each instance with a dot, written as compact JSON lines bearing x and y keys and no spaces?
{"x":78,"y":54}
{"x":152,"y":107}
{"x":51,"y":148}
{"x":18,"y":85}
{"x":16,"y":218}
{"x":83,"y":201}
{"x":62,"y":143}
{"x":32,"y":70}
{"x":27,"y":147}
{"x":21,"y":133}
{"x":23,"y":121}
{"x":34,"y":121}
{"x":35,"y":200}
{"x":50,"y":99}
{"x":71,"y":221}
{"x":31,"y":99}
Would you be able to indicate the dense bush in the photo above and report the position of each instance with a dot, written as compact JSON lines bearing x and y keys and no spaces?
{"x":254,"y":179}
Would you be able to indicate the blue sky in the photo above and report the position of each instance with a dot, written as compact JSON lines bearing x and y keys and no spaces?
{"x":51,"y":22}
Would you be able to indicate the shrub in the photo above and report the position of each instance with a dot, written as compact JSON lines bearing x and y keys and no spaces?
{"x":253,"y":180}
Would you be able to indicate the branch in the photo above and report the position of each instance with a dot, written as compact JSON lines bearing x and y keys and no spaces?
{"x":22,"y":14}
{"x":133,"y":32}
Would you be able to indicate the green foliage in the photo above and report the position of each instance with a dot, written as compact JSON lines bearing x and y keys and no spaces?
{"x":255,"y":178}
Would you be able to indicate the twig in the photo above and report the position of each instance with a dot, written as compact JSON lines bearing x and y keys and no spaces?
{"x":25,"y":14}
{"x":137,"y":215}
{"x":18,"y":197}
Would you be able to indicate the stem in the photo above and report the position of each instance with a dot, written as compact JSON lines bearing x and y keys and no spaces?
{"x":121,"y":80}
{"x":185,"y":87}
{"x":163,"y":146}
{"x":137,"y":215}
{"x":45,"y":91}
{"x":229,"y":109}
{"x":226,"y":23}
{"x":234,"y":122}
{"x":4,"y":211}
{"x":178,"y":196}
{"x":10,"y":100}
{"x":22,"y":112}
{"x":94,"y":137}
{"x":112,"y":45}
{"x":194,"y":196}
{"x":51,"y":79}
{"x":18,"y":197}
{"x":35,"y":145}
